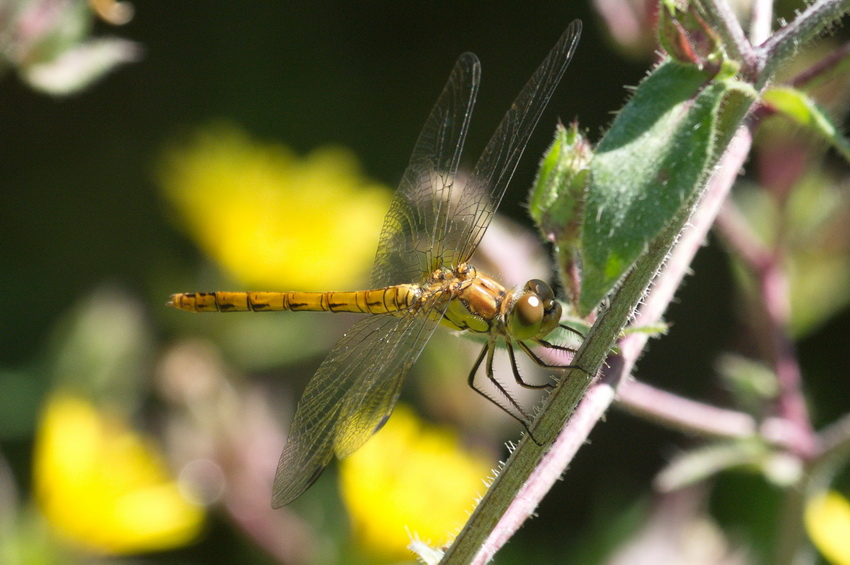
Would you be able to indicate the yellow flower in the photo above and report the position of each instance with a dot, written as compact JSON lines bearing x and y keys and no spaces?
{"x":410,"y":479}
{"x":270,"y":218}
{"x":103,"y":486}
{"x":828,"y":524}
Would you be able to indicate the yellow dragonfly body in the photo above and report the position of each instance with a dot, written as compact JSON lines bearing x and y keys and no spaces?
{"x":421,"y":278}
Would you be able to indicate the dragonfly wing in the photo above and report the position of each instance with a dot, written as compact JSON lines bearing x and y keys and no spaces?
{"x":367,"y":409}
{"x":352,"y":393}
{"x":479,"y":198}
{"x":419,"y":210}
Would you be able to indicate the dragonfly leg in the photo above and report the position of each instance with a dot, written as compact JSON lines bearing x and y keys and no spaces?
{"x":573,"y":330}
{"x":555,"y":346}
{"x":491,"y":348}
{"x":541,"y":362}
{"x":520,"y":381}
{"x":513,"y":409}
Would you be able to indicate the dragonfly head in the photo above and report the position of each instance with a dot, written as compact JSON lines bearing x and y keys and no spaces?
{"x":535,"y":312}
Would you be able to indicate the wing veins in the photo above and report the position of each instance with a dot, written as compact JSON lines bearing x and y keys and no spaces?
{"x":492,"y":173}
{"x":327,"y":420}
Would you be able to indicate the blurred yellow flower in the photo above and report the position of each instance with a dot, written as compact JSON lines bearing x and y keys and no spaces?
{"x":103,"y":486}
{"x":411,"y":477}
{"x":270,"y":218}
{"x":828,"y":524}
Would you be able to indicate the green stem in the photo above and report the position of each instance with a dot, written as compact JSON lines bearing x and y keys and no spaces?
{"x":471,"y":545}
{"x":808,"y":26}
{"x":834,"y":443}
{"x":724,"y":22}
{"x":531,"y":470}
{"x":791,"y":527}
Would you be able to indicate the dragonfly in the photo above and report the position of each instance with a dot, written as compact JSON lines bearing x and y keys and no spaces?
{"x":421,"y":278}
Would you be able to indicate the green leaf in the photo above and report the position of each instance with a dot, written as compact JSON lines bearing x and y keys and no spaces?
{"x":702,"y":463}
{"x":752,"y":384}
{"x":557,"y":202}
{"x":652,"y":162}
{"x":558,"y":192}
{"x":798,"y":107}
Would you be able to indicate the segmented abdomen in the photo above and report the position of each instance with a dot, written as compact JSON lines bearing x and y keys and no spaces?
{"x":377,"y":301}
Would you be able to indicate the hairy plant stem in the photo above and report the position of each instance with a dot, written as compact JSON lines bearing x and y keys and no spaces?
{"x":780,"y":47}
{"x":532,"y":469}
{"x":760,"y":21}
{"x":577,"y":404}
{"x":683,"y":414}
{"x":724,"y":22}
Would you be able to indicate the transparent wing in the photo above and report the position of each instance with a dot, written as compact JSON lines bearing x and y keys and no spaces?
{"x":477,"y":201}
{"x":419,"y":211}
{"x":350,"y":397}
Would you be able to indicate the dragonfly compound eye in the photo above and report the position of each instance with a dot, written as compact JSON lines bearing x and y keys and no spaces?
{"x":542,"y":290}
{"x":526,"y":316}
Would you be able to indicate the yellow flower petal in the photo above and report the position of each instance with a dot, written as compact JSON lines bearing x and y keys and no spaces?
{"x":270,"y":218}
{"x":828,"y":523}
{"x":410,"y":477}
{"x":103,"y":486}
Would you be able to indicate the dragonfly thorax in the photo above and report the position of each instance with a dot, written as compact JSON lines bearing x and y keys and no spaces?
{"x":475,"y":300}
{"x":479,"y":304}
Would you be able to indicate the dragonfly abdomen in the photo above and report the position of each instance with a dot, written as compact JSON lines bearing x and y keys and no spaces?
{"x":377,"y":301}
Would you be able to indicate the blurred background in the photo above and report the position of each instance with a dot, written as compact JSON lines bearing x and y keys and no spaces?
{"x":256,"y":146}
